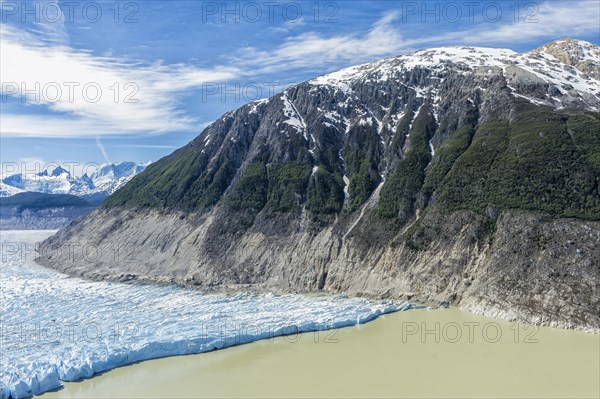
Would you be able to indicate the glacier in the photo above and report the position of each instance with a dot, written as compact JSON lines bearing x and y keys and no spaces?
{"x":57,"y":328}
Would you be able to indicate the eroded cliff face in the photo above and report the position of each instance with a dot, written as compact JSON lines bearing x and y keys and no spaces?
{"x":462,"y":175}
{"x":520,"y":266}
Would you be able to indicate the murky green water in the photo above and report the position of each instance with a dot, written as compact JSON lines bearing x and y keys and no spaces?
{"x":421,"y":353}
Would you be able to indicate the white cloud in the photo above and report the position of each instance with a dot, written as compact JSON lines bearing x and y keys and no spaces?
{"x":556,"y":19}
{"x":51,"y":29}
{"x":134,"y":97}
{"x":314,"y":50}
{"x":551,"y":21}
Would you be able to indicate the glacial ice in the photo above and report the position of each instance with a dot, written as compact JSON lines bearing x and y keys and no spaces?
{"x":59,"y":328}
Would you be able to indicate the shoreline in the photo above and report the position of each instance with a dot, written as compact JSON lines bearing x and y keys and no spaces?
{"x":504,"y":315}
{"x":385,"y":357}
{"x":510,"y":315}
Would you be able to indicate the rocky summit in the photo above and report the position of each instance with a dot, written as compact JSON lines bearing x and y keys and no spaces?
{"x":457,"y":174}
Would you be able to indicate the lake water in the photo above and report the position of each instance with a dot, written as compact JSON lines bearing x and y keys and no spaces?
{"x":416,"y":354}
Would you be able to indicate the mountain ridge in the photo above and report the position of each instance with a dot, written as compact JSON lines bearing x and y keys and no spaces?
{"x":405,"y":177}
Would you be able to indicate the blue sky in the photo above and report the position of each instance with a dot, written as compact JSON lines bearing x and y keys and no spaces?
{"x":156,"y":73}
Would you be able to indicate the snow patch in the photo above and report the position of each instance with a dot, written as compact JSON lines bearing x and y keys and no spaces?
{"x":254,"y":105}
{"x":465,"y":60}
{"x":346,"y":186}
{"x":410,"y":125}
{"x":294,"y":118}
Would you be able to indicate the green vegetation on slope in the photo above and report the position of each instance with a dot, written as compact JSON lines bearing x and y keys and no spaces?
{"x":402,"y":131}
{"x":362,"y":164}
{"x":250,"y":192}
{"x":287,"y":186}
{"x":542,"y":161}
{"x":282,"y":188}
{"x":399,"y":192}
{"x":585,"y":132}
{"x":325,"y":193}
{"x":165,"y":184}
{"x":457,"y":143}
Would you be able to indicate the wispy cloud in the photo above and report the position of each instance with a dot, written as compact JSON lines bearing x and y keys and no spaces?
{"x":311,"y":49}
{"x":555,"y":19}
{"x":552,"y":20}
{"x":51,"y":30}
{"x":121,"y":96}
{"x":102,"y":150}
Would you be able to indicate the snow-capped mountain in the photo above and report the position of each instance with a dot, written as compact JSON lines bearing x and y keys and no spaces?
{"x":108,"y":179}
{"x":95,"y":187}
{"x":455,"y":174}
{"x":567,"y":70}
{"x":356,"y":127}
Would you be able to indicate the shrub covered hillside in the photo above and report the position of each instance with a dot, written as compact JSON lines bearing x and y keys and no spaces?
{"x":543,"y":161}
{"x":407,"y":132}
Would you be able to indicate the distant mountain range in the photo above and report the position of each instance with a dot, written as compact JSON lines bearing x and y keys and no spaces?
{"x":94,"y":187}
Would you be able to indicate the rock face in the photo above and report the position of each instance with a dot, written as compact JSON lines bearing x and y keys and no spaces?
{"x":583,"y":56}
{"x":458,"y":174}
